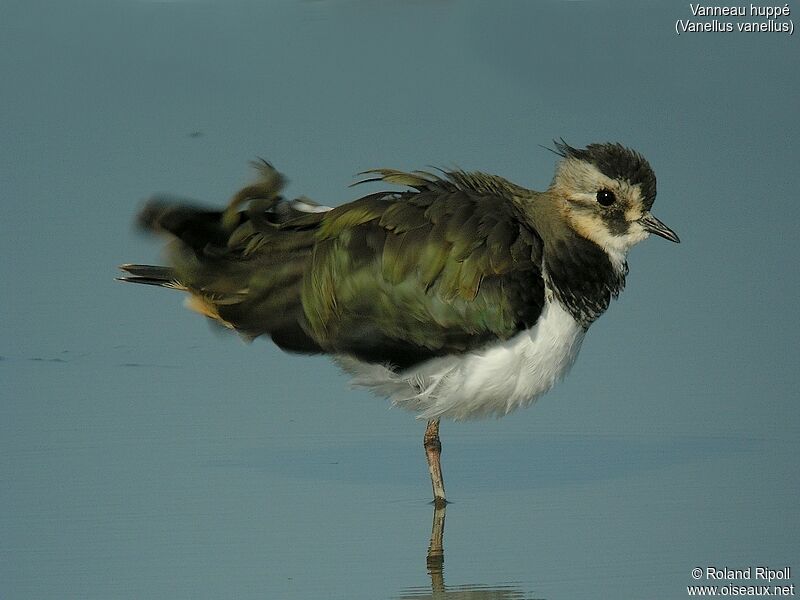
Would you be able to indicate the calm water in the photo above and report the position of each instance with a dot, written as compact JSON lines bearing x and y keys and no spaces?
{"x":148,"y":492}
{"x":143,"y":456}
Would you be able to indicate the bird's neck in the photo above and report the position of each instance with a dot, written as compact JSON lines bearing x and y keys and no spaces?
{"x":582,"y":276}
{"x":579,"y":273}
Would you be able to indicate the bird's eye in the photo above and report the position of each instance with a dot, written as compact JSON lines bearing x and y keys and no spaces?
{"x":606,"y":197}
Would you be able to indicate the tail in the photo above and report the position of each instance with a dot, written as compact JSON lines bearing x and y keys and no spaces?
{"x":151,"y":275}
{"x":242,"y":266}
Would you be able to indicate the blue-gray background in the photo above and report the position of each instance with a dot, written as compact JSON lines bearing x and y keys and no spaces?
{"x":143,"y":456}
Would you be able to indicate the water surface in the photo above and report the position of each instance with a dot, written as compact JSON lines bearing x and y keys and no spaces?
{"x":143,"y":456}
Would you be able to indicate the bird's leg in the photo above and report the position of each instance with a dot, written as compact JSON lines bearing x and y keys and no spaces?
{"x":433,"y":451}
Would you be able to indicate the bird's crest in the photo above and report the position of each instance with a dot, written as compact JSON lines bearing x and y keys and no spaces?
{"x":456,"y":180}
{"x":614,"y":161}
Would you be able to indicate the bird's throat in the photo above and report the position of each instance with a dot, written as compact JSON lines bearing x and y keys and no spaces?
{"x":582,"y":276}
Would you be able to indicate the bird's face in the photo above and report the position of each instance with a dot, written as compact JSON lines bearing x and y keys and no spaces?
{"x":605,"y":193}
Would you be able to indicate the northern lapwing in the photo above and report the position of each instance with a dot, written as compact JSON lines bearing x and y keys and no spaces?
{"x":461,"y":296}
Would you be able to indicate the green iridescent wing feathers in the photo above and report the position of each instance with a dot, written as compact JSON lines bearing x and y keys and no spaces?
{"x":395,"y":277}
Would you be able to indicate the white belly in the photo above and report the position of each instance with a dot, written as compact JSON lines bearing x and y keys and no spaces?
{"x":494,"y":380}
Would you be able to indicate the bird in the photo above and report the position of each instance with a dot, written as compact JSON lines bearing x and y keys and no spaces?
{"x":460,"y":295}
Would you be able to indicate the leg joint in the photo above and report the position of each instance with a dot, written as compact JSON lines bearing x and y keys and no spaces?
{"x":432,"y":444}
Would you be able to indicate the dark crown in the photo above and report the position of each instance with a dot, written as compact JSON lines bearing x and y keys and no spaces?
{"x":617,"y":162}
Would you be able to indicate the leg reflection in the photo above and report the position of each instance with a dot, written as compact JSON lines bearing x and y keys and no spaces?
{"x":438,"y":591}
{"x":435,"y":558}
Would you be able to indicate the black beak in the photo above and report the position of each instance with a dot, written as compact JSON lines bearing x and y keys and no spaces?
{"x":653,"y":225}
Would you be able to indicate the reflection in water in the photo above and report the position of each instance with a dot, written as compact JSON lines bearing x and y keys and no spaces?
{"x":438,"y":590}
{"x":435,"y":558}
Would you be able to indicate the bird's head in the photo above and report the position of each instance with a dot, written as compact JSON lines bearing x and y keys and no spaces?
{"x":605,"y":193}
